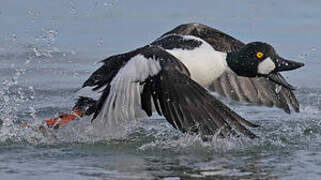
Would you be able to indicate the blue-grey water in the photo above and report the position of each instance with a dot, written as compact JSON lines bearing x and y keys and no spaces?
{"x":48,"y":48}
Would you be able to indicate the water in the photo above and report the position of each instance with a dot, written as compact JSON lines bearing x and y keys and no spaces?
{"x":47,"y":49}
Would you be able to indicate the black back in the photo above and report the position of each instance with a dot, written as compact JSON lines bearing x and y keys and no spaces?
{"x":173,"y":41}
{"x":220,"y":41}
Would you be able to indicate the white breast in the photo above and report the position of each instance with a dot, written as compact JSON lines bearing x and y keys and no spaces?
{"x":204,"y":63}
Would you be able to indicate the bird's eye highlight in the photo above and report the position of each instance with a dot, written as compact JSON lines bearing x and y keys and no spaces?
{"x":259,"y":54}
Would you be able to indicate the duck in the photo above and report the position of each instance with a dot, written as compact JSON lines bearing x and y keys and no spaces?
{"x":175,"y":75}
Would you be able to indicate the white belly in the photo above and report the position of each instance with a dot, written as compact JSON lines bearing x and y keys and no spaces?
{"x":204,"y":63}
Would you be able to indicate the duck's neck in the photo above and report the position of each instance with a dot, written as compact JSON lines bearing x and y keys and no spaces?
{"x":240,"y":65}
{"x":232,"y":61}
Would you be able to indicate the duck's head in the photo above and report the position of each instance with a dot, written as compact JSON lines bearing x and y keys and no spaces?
{"x":258,"y":59}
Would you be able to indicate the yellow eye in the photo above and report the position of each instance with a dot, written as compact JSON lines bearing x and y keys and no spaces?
{"x":259,"y":54}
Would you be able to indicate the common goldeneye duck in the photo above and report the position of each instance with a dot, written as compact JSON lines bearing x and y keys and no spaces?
{"x":170,"y":77}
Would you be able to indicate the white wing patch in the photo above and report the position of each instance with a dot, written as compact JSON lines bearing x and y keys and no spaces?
{"x":89,"y":92}
{"x":124,"y":102}
{"x":204,"y":63}
{"x":266,"y":66}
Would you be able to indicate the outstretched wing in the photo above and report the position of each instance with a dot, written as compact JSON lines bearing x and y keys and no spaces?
{"x":152,"y":78}
{"x":259,"y":91}
{"x":100,"y":81}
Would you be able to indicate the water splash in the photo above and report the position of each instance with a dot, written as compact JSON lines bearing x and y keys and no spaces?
{"x":14,"y":99}
{"x":280,"y":131}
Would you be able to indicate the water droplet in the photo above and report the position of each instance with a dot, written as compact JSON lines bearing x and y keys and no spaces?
{"x":6,"y":99}
{"x":100,"y":42}
{"x":278,"y":88}
{"x":109,"y":4}
{"x":37,"y":53}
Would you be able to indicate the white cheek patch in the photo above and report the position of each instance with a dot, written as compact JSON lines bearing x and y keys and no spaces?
{"x":266,"y":66}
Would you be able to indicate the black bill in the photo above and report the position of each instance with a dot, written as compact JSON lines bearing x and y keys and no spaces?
{"x":286,"y":65}
{"x":283,"y":65}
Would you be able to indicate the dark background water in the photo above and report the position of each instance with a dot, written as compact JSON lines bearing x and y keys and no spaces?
{"x":48,"y":48}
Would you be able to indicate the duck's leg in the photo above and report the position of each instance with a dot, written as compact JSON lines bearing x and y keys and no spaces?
{"x":82,"y":107}
{"x":63,"y":118}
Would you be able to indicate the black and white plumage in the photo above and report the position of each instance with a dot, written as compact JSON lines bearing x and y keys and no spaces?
{"x":257,"y":90}
{"x":169,"y":75}
{"x":149,"y":78}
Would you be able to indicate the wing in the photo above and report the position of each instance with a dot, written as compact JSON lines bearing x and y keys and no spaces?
{"x":255,"y":90}
{"x":100,"y":80}
{"x":153,"y":78}
{"x":259,"y":91}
